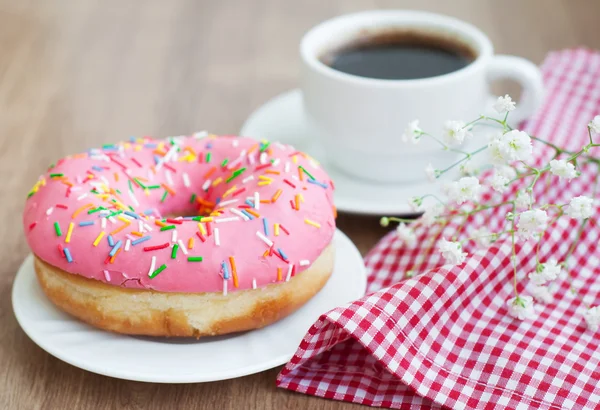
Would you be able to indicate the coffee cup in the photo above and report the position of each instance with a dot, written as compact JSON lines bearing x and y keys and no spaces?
{"x":359,"y":119}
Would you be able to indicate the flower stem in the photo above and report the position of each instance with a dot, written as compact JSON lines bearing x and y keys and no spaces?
{"x":556,"y":147}
{"x":405,"y":220}
{"x":483,"y":208}
{"x":514,"y":252}
{"x":467,"y":156}
{"x":433,"y":196}
{"x":496,"y":234}
{"x":444,"y":145}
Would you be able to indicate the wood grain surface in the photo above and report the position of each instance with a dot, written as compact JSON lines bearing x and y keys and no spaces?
{"x":76,"y":74}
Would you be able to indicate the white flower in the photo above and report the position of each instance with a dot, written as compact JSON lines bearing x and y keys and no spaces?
{"x":431,"y":172}
{"x":594,"y":124}
{"x":465,"y":189}
{"x":482,"y":236}
{"x":517,"y":145}
{"x":521,"y":307}
{"x":431,"y":213}
{"x":452,"y":252}
{"x":496,"y":149}
{"x":412,"y":132}
{"x":531,"y":222}
{"x":511,"y":146}
{"x":416,"y":203}
{"x":545,"y":272}
{"x":542,"y":294}
{"x":406,"y":235}
{"x":455,"y":132}
{"x":468,"y":169}
{"x":551,"y":269}
{"x":537,"y":278}
{"x":523,"y":200}
{"x":506,"y":171}
{"x":563,"y":169}
{"x":504,"y":104}
{"x":499,"y":183}
{"x":592,"y":318}
{"x":581,"y":207}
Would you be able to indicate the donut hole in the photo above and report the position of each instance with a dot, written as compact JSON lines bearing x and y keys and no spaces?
{"x":199,"y":202}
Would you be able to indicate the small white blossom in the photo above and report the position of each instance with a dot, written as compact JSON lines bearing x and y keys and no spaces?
{"x":592,"y":318}
{"x":465,"y":189}
{"x":531,"y":222}
{"x":581,"y":207}
{"x":455,"y":132}
{"x":523,"y":200}
{"x":499,"y":183}
{"x":483,"y":237}
{"x":431,"y":213}
{"x":594,"y":124}
{"x":511,"y":146}
{"x":545,"y":272}
{"x":504,"y":104}
{"x":406,"y":235}
{"x":563,"y":169}
{"x":537,"y":278}
{"x":412,"y":132}
{"x":468,"y":169}
{"x":506,"y":171}
{"x":431,"y":173}
{"x":496,"y":150}
{"x":517,"y":145}
{"x":452,"y":252}
{"x":551,"y":269}
{"x":542,"y":294}
{"x":521,"y":307}
{"x":416,"y":203}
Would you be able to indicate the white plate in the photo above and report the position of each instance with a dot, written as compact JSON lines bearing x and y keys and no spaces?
{"x":163,"y":360}
{"x":283,"y":119}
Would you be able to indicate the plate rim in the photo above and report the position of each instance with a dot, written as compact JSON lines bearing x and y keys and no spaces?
{"x":179,"y":379}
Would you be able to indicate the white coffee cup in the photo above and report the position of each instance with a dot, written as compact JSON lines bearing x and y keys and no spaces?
{"x":360,"y":120}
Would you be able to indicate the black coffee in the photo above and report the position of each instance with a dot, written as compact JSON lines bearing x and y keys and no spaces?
{"x":400,"y":55}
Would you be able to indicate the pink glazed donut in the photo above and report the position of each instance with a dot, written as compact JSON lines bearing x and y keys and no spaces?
{"x":188,"y":236}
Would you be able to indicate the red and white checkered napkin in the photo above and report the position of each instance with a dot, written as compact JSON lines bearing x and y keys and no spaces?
{"x":444,"y":338}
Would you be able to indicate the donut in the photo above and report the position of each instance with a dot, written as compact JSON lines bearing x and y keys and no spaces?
{"x":188,"y":236}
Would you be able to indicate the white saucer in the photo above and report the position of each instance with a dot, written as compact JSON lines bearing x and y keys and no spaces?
{"x":162,"y":360}
{"x":282,"y":119}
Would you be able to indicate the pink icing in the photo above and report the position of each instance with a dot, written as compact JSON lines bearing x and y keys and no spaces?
{"x":106,"y":178}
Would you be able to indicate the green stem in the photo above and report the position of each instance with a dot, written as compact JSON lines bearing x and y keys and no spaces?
{"x":405,"y":220}
{"x":503,"y":123}
{"x":553,"y":221}
{"x":433,"y":196}
{"x":568,"y":255}
{"x":574,"y":244}
{"x":472,"y":238}
{"x":514,"y":252}
{"x":474,"y":121}
{"x":483,"y":208}
{"x":444,"y":145}
{"x":556,"y":147}
{"x":467,"y":157}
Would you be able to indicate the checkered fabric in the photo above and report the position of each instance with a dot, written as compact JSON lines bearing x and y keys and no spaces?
{"x":443,"y":338}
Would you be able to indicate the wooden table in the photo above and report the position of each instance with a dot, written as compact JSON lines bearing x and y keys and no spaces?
{"x":76,"y":74}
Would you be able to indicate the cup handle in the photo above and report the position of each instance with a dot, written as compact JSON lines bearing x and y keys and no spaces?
{"x":527,"y":74}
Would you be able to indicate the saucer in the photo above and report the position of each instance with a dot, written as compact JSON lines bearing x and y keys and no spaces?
{"x":282,"y":119}
{"x":181,"y":360}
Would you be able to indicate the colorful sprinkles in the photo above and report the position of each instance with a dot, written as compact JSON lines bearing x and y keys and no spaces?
{"x":128,"y":186}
